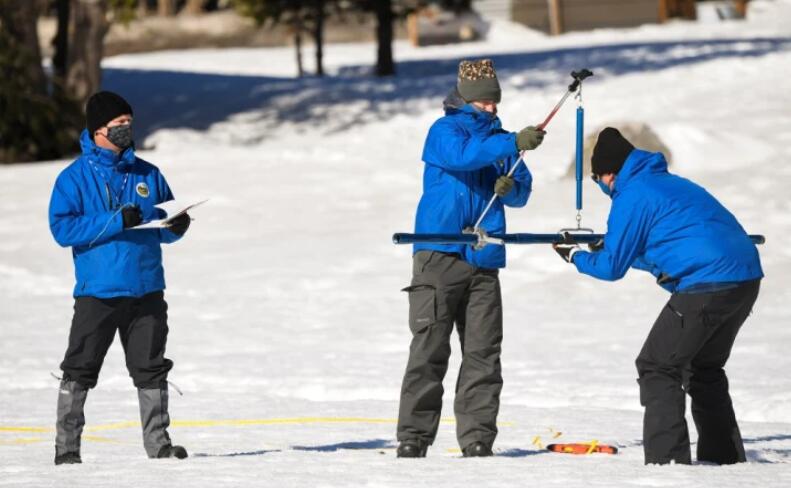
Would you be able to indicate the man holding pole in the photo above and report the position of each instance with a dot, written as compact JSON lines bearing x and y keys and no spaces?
{"x":674,"y":229}
{"x":467,"y":158}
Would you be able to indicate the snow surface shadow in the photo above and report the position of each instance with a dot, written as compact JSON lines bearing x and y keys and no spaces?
{"x":237,"y":454}
{"x":519,"y":453}
{"x":371,"y":444}
{"x":169,"y":99}
{"x":769,"y":456}
{"x":768,"y":438}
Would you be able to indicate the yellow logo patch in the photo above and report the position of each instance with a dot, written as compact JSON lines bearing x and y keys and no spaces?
{"x":142,"y":190}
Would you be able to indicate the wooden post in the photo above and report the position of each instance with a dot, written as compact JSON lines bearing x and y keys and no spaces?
{"x":192,"y":7}
{"x":664,"y":13}
{"x":555,"y":17}
{"x":687,"y":9}
{"x":166,"y":8}
{"x":670,"y":9}
{"x":741,"y":8}
{"x":411,"y":28}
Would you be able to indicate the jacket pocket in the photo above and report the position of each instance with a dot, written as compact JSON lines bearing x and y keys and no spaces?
{"x":422,"y":307}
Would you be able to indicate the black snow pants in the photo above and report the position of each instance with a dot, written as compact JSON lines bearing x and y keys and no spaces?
{"x":141,"y":323}
{"x":686,"y":350}
{"x":446,"y":290}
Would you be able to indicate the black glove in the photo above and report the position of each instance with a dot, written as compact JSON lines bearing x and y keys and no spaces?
{"x":596,"y":246}
{"x":529,"y":138}
{"x":180,"y":224}
{"x":503,"y":186}
{"x":566,"y":248}
{"x":132,"y":216}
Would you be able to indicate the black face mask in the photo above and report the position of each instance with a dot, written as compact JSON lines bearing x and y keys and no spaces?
{"x":120,"y":135}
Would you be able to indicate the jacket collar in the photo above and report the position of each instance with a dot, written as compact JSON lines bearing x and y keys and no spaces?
{"x":639,"y":163}
{"x":105,"y":157}
{"x":454,"y":104}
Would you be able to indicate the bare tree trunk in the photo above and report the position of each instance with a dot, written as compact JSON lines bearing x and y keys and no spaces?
{"x":166,"y":8}
{"x":384,"y":37}
{"x":61,"y":44}
{"x":89,"y":25}
{"x":194,"y":7}
{"x":298,"y":47}
{"x":555,"y":17}
{"x":32,"y":125}
{"x":142,"y":8}
{"x":19,"y":18}
{"x":318,"y":37}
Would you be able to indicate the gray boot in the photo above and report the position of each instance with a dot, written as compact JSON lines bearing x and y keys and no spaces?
{"x":155,"y":421}
{"x":71,"y":420}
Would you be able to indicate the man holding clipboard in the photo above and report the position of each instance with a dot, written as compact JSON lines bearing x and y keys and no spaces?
{"x":96,"y":202}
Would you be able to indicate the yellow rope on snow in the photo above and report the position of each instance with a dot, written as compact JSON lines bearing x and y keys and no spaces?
{"x":22,"y":440}
{"x":231,"y":422}
{"x":25,"y":429}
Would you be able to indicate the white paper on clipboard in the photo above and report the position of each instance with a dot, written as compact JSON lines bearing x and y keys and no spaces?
{"x":172,"y":209}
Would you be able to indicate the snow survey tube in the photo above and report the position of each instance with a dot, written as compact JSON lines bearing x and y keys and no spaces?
{"x":472,"y":239}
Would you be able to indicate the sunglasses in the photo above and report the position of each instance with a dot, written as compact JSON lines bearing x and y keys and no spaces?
{"x":596,"y":178}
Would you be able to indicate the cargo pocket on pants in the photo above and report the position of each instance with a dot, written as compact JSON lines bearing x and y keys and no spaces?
{"x":422,"y":307}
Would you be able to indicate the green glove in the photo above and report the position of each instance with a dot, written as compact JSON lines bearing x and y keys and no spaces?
{"x":529,"y":138}
{"x":503,"y":186}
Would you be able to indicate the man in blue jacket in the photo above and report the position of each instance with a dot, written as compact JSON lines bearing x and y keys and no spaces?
{"x":120,"y":281}
{"x":696,"y":249}
{"x":467,"y":157}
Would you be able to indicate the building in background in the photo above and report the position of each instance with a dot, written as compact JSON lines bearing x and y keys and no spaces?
{"x":558,"y":16}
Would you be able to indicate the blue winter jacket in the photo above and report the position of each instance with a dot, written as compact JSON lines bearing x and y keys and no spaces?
{"x":672,"y":228}
{"x":464,"y":154}
{"x":84,"y":213}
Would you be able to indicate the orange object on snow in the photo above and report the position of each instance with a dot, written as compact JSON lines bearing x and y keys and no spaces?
{"x":583,"y":448}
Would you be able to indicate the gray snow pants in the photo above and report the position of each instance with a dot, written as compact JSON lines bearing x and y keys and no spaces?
{"x":686,"y":351}
{"x":446,"y":290}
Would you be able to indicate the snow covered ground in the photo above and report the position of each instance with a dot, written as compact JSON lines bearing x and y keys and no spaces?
{"x":288,"y":330}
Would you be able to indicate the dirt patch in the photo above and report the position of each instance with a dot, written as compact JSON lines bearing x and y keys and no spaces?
{"x":640,"y":134}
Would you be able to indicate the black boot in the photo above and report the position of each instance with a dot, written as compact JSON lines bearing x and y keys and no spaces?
{"x":67,"y":458}
{"x":477,"y":449}
{"x":169,"y":451}
{"x":412,"y":448}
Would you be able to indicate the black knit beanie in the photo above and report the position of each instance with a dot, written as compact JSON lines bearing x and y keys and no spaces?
{"x":610,"y":152}
{"x":103,"y":107}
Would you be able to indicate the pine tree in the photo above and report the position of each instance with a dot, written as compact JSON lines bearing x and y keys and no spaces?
{"x":33,"y":125}
{"x":40,"y":118}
